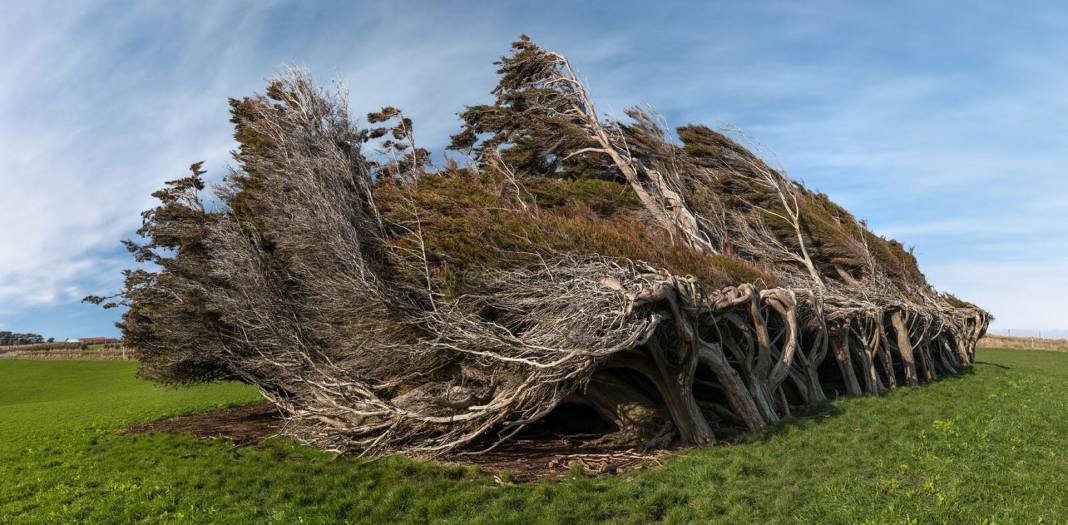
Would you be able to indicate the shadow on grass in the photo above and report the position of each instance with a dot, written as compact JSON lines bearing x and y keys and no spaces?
{"x":799,"y":418}
{"x":993,"y":364}
{"x":963,"y":374}
{"x":806,"y":416}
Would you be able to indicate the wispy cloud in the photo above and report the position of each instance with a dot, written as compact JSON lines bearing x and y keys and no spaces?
{"x":944,"y":125}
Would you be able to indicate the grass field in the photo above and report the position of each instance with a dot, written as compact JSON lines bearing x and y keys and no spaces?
{"x":988,"y":447}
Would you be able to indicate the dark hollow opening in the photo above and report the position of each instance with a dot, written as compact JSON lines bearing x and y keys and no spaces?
{"x":831,"y":377}
{"x":569,"y":419}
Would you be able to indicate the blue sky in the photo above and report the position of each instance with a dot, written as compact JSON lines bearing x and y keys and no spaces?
{"x":945,"y":124}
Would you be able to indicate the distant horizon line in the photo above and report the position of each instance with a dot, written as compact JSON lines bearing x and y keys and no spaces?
{"x":1058,"y":333}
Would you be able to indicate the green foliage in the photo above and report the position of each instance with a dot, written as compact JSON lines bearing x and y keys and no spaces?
{"x":834,"y":237}
{"x":9,"y":338}
{"x":398,"y":144}
{"x":532,"y":124}
{"x":987,"y":447}
{"x":178,"y":330}
{"x":472,"y":221}
{"x":167,"y":317}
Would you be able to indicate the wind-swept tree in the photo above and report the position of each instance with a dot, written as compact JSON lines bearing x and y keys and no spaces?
{"x":679,"y":291}
{"x":168,"y":316}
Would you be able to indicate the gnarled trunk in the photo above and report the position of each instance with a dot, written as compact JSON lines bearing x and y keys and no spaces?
{"x":904,"y":347}
{"x":845,"y":363}
{"x":711,"y":354}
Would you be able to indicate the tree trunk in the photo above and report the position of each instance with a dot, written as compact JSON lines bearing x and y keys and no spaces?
{"x":904,"y":347}
{"x":927,"y":370}
{"x":812,"y":382}
{"x":845,"y":363}
{"x":637,"y":418}
{"x":711,"y":354}
{"x":948,"y":357}
{"x":866,"y":354}
{"x":962,"y":350}
{"x":762,"y":397}
{"x":885,"y":355}
{"x":683,"y":408}
{"x":676,"y":387}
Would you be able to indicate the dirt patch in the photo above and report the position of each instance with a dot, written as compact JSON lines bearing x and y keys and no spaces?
{"x":516,"y":460}
{"x":245,"y":425}
{"x":522,"y":460}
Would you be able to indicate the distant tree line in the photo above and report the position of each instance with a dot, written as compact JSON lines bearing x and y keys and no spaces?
{"x":13,"y":339}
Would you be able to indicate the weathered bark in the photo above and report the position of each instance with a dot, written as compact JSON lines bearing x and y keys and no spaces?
{"x":885,"y":356}
{"x":810,"y":361}
{"x":711,"y":354}
{"x":784,"y":303}
{"x":797,"y":379}
{"x":866,"y":350}
{"x":947,"y":357}
{"x":845,"y":363}
{"x":638,"y":419}
{"x":962,"y":351}
{"x":676,"y":387}
{"x":758,"y":373}
{"x":806,"y":377}
{"x":815,"y":387}
{"x":926,"y":368}
{"x":677,"y":397}
{"x":904,"y":347}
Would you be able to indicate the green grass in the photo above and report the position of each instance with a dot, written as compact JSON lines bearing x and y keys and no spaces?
{"x":988,"y":447}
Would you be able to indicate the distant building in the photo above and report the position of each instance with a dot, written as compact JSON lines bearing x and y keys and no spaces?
{"x":92,"y":340}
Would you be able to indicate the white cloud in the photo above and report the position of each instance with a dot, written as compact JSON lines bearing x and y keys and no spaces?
{"x":1022,"y":293}
{"x":952,"y":139}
